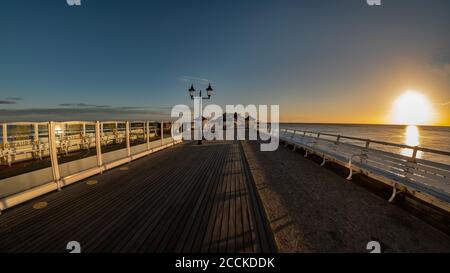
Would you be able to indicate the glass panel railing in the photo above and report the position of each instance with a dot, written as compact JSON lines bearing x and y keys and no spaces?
{"x":113,"y":136}
{"x":155,"y":131}
{"x":137,"y":133}
{"x":76,"y":146}
{"x":24,"y":156}
{"x":167,"y":127}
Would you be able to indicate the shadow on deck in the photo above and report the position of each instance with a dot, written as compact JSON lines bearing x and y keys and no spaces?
{"x":185,"y":199}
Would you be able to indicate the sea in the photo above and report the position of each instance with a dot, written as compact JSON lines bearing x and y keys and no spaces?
{"x":433,"y":137}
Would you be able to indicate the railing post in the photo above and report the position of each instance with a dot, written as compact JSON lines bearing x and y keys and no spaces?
{"x":144,"y":131}
{"x":147,"y":129}
{"x":54,"y":154}
{"x":127,"y":133}
{"x":84,"y":141}
{"x":414,"y":155}
{"x":4,"y":134}
{"x":5,"y":141}
{"x":98,"y":146}
{"x":162,"y":133}
{"x":101,"y":130}
{"x":37,"y":146}
{"x":171,"y":132}
{"x":36,"y":132}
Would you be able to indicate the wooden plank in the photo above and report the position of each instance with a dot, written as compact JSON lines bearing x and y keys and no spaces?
{"x":187,"y":204}
{"x":203,"y":237}
{"x":231,"y":200}
{"x":196,"y":220}
{"x":217,"y":223}
{"x":243,"y":240}
{"x":161,"y":204}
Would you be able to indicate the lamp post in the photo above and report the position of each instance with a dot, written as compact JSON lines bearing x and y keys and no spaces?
{"x":209,"y":92}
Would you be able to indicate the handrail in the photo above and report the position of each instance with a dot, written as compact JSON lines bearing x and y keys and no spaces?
{"x":418,"y":148}
{"x":427,"y":179}
{"x":38,"y":132}
{"x":59,"y":141}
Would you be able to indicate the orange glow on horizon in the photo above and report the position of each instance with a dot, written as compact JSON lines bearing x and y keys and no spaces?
{"x":407,"y":108}
{"x":412,"y":108}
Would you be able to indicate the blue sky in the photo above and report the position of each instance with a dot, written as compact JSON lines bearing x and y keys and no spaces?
{"x":321,"y":60}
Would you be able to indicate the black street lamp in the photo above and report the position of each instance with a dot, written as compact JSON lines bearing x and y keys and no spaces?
{"x":209,"y":92}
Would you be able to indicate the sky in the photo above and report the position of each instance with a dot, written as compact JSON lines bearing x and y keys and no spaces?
{"x":322,"y":61}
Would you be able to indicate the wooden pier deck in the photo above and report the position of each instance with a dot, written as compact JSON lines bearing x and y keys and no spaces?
{"x":314,"y":209}
{"x":188,"y":198}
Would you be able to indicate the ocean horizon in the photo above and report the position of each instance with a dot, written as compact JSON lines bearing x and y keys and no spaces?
{"x":432,"y":137}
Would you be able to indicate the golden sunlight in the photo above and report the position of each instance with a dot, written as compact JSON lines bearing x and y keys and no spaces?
{"x":412,"y":138}
{"x":412,"y":108}
{"x":412,"y":135}
{"x":58,"y":130}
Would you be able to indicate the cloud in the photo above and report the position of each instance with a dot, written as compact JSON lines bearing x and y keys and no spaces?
{"x":83,"y":105}
{"x":11,"y":100}
{"x":7,"y":102}
{"x":85,"y":113}
{"x":445,"y":103}
{"x":123,"y":108}
{"x":14,"y":99}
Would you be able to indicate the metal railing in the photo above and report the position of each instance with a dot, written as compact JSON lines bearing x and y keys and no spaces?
{"x":423,"y":178}
{"x":38,"y":157}
{"x":368,"y":142}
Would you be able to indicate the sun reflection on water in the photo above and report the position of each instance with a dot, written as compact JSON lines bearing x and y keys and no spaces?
{"x":412,"y":138}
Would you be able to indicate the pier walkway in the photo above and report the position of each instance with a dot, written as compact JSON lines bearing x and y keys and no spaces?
{"x":313,"y":209}
{"x":218,"y":197}
{"x":188,"y":198}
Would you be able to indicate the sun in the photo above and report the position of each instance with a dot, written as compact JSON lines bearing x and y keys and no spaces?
{"x":412,"y":108}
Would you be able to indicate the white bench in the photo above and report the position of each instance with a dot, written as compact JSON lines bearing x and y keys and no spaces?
{"x":417,"y":176}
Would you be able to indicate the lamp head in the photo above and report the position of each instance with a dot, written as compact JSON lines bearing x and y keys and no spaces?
{"x":191,"y":91}
{"x":209,"y":90}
